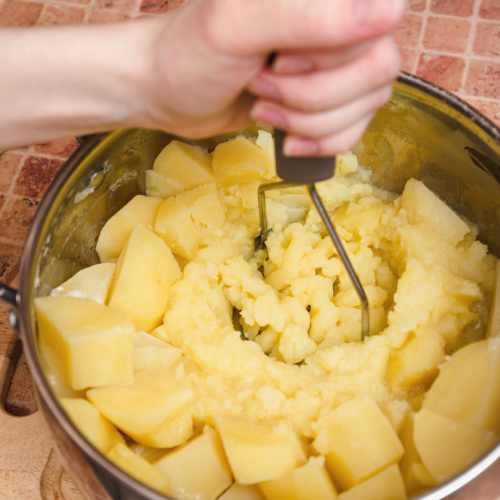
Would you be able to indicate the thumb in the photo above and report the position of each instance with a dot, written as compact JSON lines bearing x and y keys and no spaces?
{"x":249,"y":27}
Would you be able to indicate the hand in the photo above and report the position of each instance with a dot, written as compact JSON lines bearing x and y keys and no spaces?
{"x":334,"y":69}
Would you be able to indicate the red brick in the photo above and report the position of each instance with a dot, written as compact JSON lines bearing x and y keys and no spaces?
{"x":460,"y":8}
{"x":487,"y":42}
{"x":408,"y":33}
{"x":491,"y":109}
{"x":9,"y":166}
{"x":416,"y":5}
{"x":490,"y":9}
{"x":61,"y":14}
{"x":446,"y":34}
{"x":36,"y":175}
{"x":159,"y":6}
{"x":63,"y":148}
{"x":483,"y":78}
{"x":124,"y":5}
{"x":108,"y":16}
{"x":410,"y":57}
{"x":14,"y":13}
{"x":16,"y":219}
{"x":445,"y":71}
{"x":10,"y":255}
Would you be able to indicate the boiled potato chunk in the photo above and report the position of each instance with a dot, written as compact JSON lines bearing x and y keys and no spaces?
{"x":494,"y":322}
{"x":361,"y":441}
{"x":86,"y":344}
{"x":92,"y":283}
{"x":427,"y":210}
{"x":150,"y":351}
{"x":387,"y":485}
{"x":240,"y":160}
{"x":417,"y":363}
{"x":260,"y":451}
{"x":183,"y":166}
{"x":137,"y":467}
{"x":240,"y":492}
{"x":144,"y":409}
{"x":145,"y":272}
{"x":197,"y":470}
{"x":446,"y":446}
{"x":309,"y":481}
{"x":97,"y":429}
{"x":140,"y":210}
{"x":468,"y":387}
{"x":176,"y":228}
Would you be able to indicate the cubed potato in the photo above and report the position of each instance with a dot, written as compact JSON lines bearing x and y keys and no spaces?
{"x":150,"y":351}
{"x":428,"y":211}
{"x":140,"y":210}
{"x":386,"y":485}
{"x":447,"y":446}
{"x":93,"y":283}
{"x":146,"y":409}
{"x":158,"y":186}
{"x":145,"y":272}
{"x":177,"y":229}
{"x":260,"y":451}
{"x":361,"y":441}
{"x":239,"y":161}
{"x":148,"y":453}
{"x":468,"y":387}
{"x":306,"y":482}
{"x":416,"y":364}
{"x":494,"y":321}
{"x":101,"y":433}
{"x":197,"y":470}
{"x":204,"y":205}
{"x":138,"y":468}
{"x":241,"y":492}
{"x":86,"y":344}
{"x":184,"y":167}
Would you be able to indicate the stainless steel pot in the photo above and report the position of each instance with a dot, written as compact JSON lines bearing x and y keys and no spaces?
{"x":424,"y":132}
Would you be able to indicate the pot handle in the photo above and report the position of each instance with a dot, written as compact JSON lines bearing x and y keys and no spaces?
{"x":9,"y":295}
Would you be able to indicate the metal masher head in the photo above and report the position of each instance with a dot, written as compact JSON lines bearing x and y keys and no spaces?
{"x":307,"y":171}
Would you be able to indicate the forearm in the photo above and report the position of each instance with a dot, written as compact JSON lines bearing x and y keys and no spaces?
{"x":63,"y":81}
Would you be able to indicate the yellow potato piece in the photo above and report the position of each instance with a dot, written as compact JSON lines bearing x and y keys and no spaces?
{"x":306,"y":482}
{"x":144,"y":409}
{"x":139,"y":210}
{"x":145,"y":272}
{"x":361,"y":441}
{"x":447,"y":446}
{"x":138,"y":468}
{"x":259,"y":451}
{"x":468,"y":387}
{"x":240,"y":160}
{"x":160,"y":187}
{"x":184,"y":166}
{"x":150,"y":351}
{"x":93,"y":283}
{"x":197,"y":470}
{"x":429,"y":212}
{"x":176,"y":228}
{"x":417,"y":363}
{"x":85,"y":343}
{"x":387,"y":485}
{"x":494,"y":322}
{"x":241,"y":492}
{"x":101,"y":433}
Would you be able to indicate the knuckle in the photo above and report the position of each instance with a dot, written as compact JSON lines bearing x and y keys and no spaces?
{"x":385,"y":62}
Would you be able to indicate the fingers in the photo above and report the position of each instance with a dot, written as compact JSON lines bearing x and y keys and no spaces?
{"x":323,"y":124}
{"x":321,"y":91}
{"x":328,"y":146}
{"x":243,"y":28}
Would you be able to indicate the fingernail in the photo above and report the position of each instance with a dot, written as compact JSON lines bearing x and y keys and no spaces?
{"x":295,"y":146}
{"x":285,"y":65}
{"x":265,"y":88}
{"x":267,"y":114}
{"x":370,"y":12}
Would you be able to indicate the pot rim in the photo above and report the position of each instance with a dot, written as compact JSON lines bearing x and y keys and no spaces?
{"x":25,"y":298}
